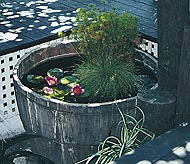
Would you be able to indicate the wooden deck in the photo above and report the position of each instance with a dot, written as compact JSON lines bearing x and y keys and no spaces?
{"x":24,"y":23}
{"x":172,"y":147}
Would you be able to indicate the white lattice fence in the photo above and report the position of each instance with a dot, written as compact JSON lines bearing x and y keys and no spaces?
{"x":9,"y":119}
{"x":150,"y":47}
{"x":8,"y":104}
{"x":10,"y":123}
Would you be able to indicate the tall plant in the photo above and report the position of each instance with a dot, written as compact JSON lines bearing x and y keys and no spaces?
{"x":106,"y":44}
{"x":107,"y":79}
{"x":106,"y":33}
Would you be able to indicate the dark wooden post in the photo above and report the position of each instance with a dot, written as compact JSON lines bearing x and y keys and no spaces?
{"x":183,"y":92}
{"x":172,"y":16}
{"x":174,"y":56}
{"x":169,"y":100}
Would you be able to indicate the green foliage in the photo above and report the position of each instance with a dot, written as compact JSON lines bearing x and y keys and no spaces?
{"x":68,"y":79}
{"x":57,"y":72}
{"x":7,"y":156}
{"x":107,"y":79}
{"x":132,"y":135}
{"x":106,"y":44}
{"x":106,"y":32}
{"x":35,"y":79}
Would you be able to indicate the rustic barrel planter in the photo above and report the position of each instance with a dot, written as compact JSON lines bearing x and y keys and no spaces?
{"x":75,"y":128}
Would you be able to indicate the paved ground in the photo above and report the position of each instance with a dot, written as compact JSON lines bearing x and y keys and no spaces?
{"x":10,"y":127}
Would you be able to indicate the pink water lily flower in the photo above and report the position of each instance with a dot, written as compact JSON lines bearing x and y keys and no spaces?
{"x":51,"y":80}
{"x":48,"y":90}
{"x":77,"y":90}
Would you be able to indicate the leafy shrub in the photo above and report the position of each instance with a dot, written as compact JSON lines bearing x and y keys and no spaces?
{"x":106,"y":33}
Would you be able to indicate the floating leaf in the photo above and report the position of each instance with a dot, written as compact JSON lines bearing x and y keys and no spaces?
{"x":35,"y":79}
{"x":57,"y":72}
{"x":68,"y":79}
{"x":60,"y":98}
{"x":58,"y":92}
{"x":64,"y":81}
{"x":72,"y":79}
{"x":72,"y":84}
{"x":39,"y":78}
{"x":61,"y":90}
{"x":30,"y":78}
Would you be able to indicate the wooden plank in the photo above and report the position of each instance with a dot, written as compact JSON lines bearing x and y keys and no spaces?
{"x":147,"y":18}
{"x":157,"y":150}
{"x":67,"y":3}
{"x":145,"y":12}
{"x":5,"y":42}
{"x":148,"y":5}
{"x":6,"y":46}
{"x":46,"y":23}
{"x":12,"y":40}
{"x":63,"y":19}
{"x":31,"y":31}
{"x":28,"y":32}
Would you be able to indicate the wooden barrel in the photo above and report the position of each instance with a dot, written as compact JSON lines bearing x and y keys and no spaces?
{"x":76,"y":128}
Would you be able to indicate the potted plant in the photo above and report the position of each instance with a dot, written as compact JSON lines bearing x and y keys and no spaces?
{"x":107,"y":42}
{"x":104,"y":71}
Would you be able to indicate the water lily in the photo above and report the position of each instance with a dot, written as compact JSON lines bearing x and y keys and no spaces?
{"x":48,"y":90}
{"x":51,"y":80}
{"x":77,"y":90}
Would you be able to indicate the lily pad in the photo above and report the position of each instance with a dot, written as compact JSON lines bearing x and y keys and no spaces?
{"x":57,"y":72}
{"x":72,"y":79}
{"x":68,"y":80}
{"x":35,"y":79}
{"x":61,"y":90}
{"x":64,"y":81}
